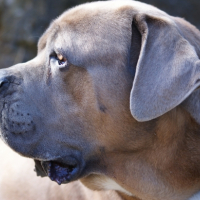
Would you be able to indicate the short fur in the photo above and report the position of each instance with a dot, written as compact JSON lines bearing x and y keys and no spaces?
{"x":126,"y":103}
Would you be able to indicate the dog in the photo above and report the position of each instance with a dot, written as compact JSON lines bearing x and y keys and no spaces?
{"x":112,"y":100}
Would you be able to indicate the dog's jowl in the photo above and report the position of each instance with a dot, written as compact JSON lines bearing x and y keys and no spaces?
{"x":112,"y":99}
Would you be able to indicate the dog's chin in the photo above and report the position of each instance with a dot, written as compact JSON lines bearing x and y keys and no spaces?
{"x":59,"y":172}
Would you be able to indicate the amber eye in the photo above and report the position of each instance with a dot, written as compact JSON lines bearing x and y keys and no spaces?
{"x":58,"y":60}
{"x":61,"y":59}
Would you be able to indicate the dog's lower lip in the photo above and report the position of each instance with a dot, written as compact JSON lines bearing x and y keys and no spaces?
{"x":59,"y":172}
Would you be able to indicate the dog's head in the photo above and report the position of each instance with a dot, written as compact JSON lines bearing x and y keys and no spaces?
{"x":100,"y":102}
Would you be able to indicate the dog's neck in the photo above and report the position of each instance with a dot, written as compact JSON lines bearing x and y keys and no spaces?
{"x":191,"y":34}
{"x":170,"y":162}
{"x":175,"y":154}
{"x":160,"y":160}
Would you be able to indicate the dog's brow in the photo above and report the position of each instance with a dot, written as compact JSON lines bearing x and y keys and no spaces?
{"x":50,"y":33}
{"x":42,"y":41}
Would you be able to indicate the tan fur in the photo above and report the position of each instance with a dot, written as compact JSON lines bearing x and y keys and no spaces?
{"x":169,"y":153}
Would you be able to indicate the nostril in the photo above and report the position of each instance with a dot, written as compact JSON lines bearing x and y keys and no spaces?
{"x":3,"y":82}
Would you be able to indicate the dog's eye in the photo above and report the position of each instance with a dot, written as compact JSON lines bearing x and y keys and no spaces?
{"x":59,"y":60}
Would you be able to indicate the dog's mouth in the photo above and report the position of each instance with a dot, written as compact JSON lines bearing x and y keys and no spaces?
{"x":56,"y":171}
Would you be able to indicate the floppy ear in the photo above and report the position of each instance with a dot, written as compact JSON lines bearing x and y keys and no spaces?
{"x":168,"y":68}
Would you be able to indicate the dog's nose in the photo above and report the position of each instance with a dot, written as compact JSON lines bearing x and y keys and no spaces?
{"x":5,"y":81}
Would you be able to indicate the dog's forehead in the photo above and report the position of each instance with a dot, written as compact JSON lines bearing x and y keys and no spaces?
{"x":97,"y":9}
{"x":102,"y":27}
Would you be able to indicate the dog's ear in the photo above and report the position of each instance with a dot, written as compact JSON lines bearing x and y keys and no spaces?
{"x":167,"y":71}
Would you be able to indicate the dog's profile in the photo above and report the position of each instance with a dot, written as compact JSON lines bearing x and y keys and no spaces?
{"x":111,"y":99}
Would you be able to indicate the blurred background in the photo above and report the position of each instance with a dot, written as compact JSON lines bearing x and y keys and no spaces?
{"x":22,"y":22}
